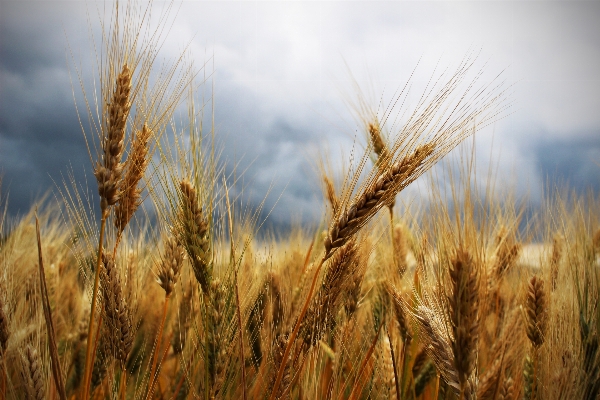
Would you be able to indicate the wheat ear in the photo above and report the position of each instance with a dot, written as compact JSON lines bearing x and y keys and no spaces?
{"x":193,"y":234}
{"x":168,"y":273}
{"x":464,"y":307}
{"x":321,"y":314}
{"x":108,"y":176}
{"x":33,"y":374}
{"x":108,"y":173}
{"x":116,"y":311}
{"x":135,"y":166}
{"x":536,"y":311}
{"x":374,"y":196}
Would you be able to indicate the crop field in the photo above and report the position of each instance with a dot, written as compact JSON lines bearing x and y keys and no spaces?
{"x":156,"y":281}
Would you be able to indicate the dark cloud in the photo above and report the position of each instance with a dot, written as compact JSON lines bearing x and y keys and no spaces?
{"x":571,"y":161}
{"x":277,"y":66}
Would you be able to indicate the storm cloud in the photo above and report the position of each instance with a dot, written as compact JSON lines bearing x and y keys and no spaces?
{"x":280,"y":72}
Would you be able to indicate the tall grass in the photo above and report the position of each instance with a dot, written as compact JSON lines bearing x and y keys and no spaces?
{"x":169,"y":293}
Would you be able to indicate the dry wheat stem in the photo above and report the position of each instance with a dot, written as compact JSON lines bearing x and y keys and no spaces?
{"x":56,"y":370}
{"x":355,"y":389}
{"x":153,"y":371}
{"x":292,"y":338}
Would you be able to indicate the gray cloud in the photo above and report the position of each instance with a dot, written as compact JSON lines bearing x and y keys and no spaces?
{"x":278,"y":72}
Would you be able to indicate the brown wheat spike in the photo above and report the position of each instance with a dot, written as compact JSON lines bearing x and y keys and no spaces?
{"x":399,"y":313}
{"x":116,"y":311}
{"x":353,"y":289}
{"x":183,"y":324}
{"x":276,"y":299}
{"x":535,"y":311}
{"x":170,"y":265}
{"x":506,"y":391}
{"x":321,"y":314}
{"x":4,"y":332}
{"x":217,"y":348}
{"x":437,"y":345}
{"x":464,"y":313}
{"x":108,"y":174}
{"x":194,"y":235}
{"x":379,"y":146}
{"x":33,"y":374}
{"x":136,"y":164}
{"x":330,"y":192}
{"x":103,"y":358}
{"x":507,"y":252}
{"x":377,"y":194}
{"x":400,"y":250}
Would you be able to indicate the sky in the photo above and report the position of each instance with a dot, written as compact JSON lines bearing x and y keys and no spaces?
{"x":283,"y":75}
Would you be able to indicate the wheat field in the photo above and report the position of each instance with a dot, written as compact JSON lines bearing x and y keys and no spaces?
{"x":158,"y":283}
